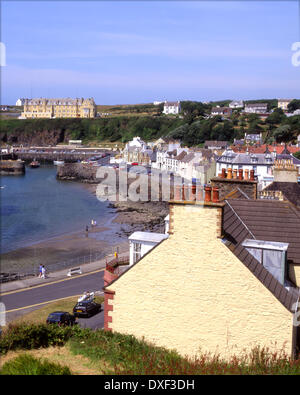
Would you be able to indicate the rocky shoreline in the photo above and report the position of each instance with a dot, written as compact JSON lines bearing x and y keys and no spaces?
{"x":138,"y":216}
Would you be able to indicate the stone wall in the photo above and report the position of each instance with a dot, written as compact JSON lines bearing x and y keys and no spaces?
{"x":12,"y":167}
{"x":77,"y":171}
{"x":226,"y":186}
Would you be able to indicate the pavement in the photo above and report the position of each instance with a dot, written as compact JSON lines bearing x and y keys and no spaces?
{"x":54,"y":276}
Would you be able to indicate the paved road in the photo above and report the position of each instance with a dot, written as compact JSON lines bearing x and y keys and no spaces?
{"x":22,"y":301}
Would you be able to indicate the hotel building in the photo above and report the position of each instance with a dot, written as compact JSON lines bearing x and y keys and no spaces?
{"x":59,"y":108}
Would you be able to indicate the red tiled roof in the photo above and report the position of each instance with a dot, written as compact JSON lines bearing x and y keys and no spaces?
{"x":261,"y":149}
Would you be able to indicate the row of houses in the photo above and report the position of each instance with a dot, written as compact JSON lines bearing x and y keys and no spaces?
{"x":261,"y":163}
{"x":199,"y":165}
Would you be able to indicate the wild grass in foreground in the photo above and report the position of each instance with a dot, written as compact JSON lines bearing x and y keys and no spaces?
{"x":28,"y":365}
{"x":115,"y":353}
{"x":126,"y":355}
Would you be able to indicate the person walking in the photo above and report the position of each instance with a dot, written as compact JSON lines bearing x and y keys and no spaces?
{"x":86,"y":231}
{"x":40,"y":270}
{"x":43,"y":272}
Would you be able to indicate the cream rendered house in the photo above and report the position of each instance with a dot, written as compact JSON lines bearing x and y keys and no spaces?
{"x":283,"y":103}
{"x":203,"y":289}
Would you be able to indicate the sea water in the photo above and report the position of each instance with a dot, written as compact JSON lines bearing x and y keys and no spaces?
{"x":38,"y":206}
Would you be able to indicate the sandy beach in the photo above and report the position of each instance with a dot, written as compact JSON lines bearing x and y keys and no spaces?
{"x":60,"y":252}
{"x":76,"y":248}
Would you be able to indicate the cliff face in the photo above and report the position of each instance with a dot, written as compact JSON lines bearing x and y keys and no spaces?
{"x":38,"y":138}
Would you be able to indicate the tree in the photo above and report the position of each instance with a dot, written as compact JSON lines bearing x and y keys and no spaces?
{"x":276,"y":117}
{"x":294,"y":105}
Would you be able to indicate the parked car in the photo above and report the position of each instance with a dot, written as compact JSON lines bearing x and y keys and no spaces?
{"x":86,"y":308}
{"x":61,"y":318}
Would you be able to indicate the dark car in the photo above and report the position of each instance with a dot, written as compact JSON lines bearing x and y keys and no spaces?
{"x":61,"y":318}
{"x":86,"y":308}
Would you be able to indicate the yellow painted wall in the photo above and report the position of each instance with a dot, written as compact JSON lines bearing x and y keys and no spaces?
{"x":192,"y":294}
{"x":64,"y":111}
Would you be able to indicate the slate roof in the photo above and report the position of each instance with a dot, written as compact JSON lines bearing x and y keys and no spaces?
{"x":247,"y":159}
{"x":263,"y":220}
{"x":187,"y":158}
{"x":181,"y":155}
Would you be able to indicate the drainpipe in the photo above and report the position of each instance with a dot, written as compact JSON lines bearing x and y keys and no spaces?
{"x":296,"y":329}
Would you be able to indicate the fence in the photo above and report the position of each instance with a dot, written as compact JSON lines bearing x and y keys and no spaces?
{"x":64,"y":264}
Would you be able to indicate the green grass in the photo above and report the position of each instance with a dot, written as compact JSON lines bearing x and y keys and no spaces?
{"x":126,"y":355}
{"x":26,"y":364}
{"x":119,"y":354}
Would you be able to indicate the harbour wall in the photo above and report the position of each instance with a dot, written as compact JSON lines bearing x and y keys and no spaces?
{"x":12,"y":167}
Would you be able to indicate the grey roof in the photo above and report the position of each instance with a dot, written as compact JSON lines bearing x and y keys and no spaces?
{"x":245,"y":159}
{"x":257,"y":105}
{"x":181,"y":156}
{"x":187,"y":158}
{"x":172,"y":103}
{"x":266,"y":220}
{"x":148,"y":237}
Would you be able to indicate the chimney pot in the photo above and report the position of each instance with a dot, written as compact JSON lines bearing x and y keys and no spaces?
{"x":215,"y":195}
{"x":207,"y":193}
{"x":177,"y":192}
{"x":193,"y":192}
{"x":234,"y":173}
{"x":251,"y":175}
{"x":246,"y":174}
{"x":223,"y":173}
{"x":199,"y":193}
{"x":229,"y":174}
{"x":240,"y":174}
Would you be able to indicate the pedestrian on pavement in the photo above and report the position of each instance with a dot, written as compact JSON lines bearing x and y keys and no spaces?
{"x":43,"y":272}
{"x":40,"y":270}
{"x":86,"y":231}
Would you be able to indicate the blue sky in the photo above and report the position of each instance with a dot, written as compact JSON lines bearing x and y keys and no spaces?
{"x":123,"y":52}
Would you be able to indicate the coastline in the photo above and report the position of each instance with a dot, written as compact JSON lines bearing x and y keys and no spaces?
{"x":138,"y":216}
{"x":61,"y":252}
{"x":71,"y":249}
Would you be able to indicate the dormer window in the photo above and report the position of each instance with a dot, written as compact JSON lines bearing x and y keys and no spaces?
{"x":272,"y":255}
{"x":254,"y":159}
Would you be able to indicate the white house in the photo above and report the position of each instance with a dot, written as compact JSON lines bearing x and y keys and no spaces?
{"x":172,"y":107}
{"x":262,"y":164}
{"x":20,"y":102}
{"x":226,"y":111}
{"x":256,"y":108}
{"x":236,"y":104}
{"x":142,"y":242}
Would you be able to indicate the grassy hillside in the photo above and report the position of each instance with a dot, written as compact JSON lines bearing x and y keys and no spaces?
{"x":101,"y":352}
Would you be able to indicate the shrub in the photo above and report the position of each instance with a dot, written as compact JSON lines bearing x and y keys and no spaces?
{"x":28,"y":336}
{"x":28,"y":365}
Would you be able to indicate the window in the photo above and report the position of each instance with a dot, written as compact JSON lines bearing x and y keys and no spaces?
{"x":271,"y":254}
{"x":137,"y":247}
